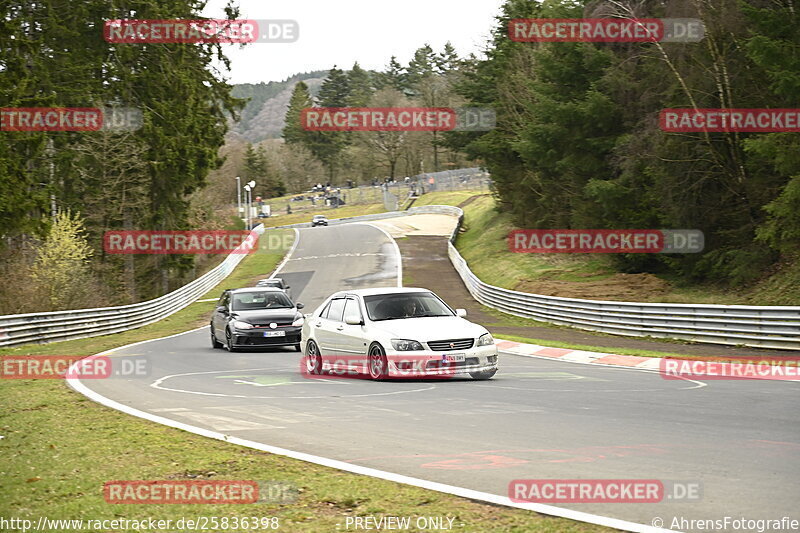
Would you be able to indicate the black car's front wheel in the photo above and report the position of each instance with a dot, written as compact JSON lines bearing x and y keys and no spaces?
{"x":229,"y":341}
{"x":214,"y":342}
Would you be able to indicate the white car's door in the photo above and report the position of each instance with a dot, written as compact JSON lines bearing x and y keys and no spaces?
{"x":325,"y":328}
{"x":352,"y":341}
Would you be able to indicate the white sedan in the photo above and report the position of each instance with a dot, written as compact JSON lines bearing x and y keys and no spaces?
{"x":395,"y":332}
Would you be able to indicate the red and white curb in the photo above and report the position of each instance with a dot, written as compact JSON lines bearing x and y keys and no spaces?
{"x":579,"y":356}
{"x":772,"y":368}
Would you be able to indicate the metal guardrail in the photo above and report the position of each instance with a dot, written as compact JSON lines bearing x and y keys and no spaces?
{"x":40,"y":328}
{"x":758,"y":326}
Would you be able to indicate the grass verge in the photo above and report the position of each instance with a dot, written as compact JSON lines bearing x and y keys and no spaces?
{"x":483,"y":243}
{"x":61,"y":448}
{"x":330,"y":212}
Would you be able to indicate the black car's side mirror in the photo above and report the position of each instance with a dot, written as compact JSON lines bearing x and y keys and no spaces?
{"x":288,"y":287}
{"x":299,"y":305}
{"x":222,"y":309}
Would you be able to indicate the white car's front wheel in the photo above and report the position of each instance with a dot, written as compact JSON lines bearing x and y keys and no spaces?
{"x":378,"y":364}
{"x":313,"y":358}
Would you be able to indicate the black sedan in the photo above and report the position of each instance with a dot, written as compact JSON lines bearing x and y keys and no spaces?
{"x":256,"y":317}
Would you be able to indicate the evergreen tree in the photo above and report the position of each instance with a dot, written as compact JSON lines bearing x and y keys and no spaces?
{"x":360,"y":84}
{"x":293,"y":132}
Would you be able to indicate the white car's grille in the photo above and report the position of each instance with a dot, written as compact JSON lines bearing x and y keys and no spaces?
{"x":451,"y":344}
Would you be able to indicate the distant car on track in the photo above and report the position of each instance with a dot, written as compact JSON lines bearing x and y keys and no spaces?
{"x":277,"y":283}
{"x":256,"y":317}
{"x":319,"y":220}
{"x":378,"y":331}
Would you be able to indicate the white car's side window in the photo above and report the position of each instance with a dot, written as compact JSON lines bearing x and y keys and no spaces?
{"x":351,"y":309}
{"x":336,"y":309}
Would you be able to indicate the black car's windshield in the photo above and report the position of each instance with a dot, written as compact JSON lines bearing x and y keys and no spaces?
{"x":260,"y":300}
{"x":405,"y":305}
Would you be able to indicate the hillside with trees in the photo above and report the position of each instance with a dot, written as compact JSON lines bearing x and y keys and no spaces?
{"x":578,"y":143}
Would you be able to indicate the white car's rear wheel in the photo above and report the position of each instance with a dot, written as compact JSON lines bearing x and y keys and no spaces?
{"x":378,"y":364}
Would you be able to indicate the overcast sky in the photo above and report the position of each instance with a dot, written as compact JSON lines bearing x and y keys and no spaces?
{"x":341,"y":32}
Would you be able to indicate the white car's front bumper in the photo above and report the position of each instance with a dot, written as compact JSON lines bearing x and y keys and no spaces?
{"x":428,"y":363}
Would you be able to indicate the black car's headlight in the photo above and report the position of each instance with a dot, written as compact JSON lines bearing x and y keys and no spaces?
{"x":298,"y":320}
{"x":485,"y":340}
{"x":405,"y":345}
{"x":238,"y":324}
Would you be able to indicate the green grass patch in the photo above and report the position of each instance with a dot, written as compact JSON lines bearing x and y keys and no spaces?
{"x":483,"y":243}
{"x":448,"y":197}
{"x":485,"y":247}
{"x":330,"y":212}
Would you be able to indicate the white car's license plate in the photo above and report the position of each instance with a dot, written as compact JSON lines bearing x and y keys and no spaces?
{"x":453,"y":358}
{"x":274,"y":333}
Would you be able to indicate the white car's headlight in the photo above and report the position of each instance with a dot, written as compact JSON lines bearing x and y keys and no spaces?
{"x":238,"y":324}
{"x":485,"y":340}
{"x":298,"y":320}
{"x":405,"y":345}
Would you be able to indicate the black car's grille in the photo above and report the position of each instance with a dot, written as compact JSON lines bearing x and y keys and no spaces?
{"x":452,"y":344}
{"x":266,"y":341}
{"x":280,"y":324}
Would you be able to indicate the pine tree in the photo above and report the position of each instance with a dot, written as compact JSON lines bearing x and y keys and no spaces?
{"x":394,"y":77}
{"x":361,"y":89}
{"x":293,"y":132}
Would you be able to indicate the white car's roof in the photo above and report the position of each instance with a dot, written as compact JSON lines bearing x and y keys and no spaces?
{"x":381,"y":290}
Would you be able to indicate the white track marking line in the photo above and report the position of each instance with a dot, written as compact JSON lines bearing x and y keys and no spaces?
{"x":496,"y":499}
{"x":396,"y":249}
{"x":700,"y":384}
{"x":288,"y":254}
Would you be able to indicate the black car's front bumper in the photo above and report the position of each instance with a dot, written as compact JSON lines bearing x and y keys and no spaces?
{"x":254,"y":338}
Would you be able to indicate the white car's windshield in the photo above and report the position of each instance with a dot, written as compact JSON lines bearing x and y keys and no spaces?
{"x":405,"y":305}
{"x":260,"y":300}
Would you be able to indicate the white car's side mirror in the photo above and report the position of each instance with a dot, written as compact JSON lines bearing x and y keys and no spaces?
{"x":353,"y":321}
{"x":461,"y":313}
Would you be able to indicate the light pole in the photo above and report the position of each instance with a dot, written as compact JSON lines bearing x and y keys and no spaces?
{"x":247,"y":208}
{"x":239,"y":196}
{"x":249,"y":188}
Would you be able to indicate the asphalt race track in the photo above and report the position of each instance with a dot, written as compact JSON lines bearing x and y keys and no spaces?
{"x":537,"y":418}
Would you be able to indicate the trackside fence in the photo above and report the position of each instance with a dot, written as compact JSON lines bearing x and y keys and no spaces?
{"x":41,"y":328}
